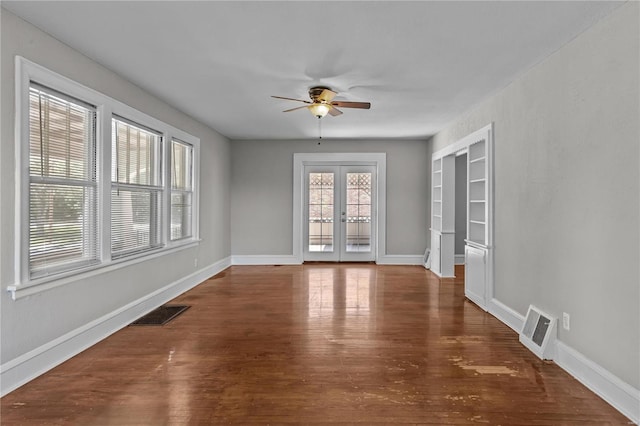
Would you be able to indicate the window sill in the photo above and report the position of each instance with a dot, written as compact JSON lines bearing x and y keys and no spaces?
{"x":18,"y":291}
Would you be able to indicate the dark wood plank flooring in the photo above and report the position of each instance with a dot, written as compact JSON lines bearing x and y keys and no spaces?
{"x":313,"y":344}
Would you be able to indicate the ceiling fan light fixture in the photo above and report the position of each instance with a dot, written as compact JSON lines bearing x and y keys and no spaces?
{"x":319,"y":109}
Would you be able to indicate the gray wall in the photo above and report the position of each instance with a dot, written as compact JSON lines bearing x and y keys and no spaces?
{"x":30,"y":322}
{"x":262,"y":188}
{"x":461,"y":203}
{"x":567,"y":190}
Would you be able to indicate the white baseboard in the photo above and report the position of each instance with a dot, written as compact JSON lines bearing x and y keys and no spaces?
{"x":401,"y":259}
{"x":389,"y":259}
{"x":459,"y":259}
{"x":265,"y":260}
{"x":508,"y":316}
{"x":32,"y":364}
{"x":622,"y":396}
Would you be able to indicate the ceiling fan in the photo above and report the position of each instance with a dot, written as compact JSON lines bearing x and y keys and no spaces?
{"x":322,"y":102}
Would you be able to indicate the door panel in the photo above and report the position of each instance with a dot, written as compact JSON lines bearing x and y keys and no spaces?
{"x":320,"y":212}
{"x":357,"y":214}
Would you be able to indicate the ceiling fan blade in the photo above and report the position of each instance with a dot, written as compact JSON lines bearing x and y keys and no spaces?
{"x":346,"y":104}
{"x":333,"y":111}
{"x":291,"y":99}
{"x":327,"y":95}
{"x":294,"y":109}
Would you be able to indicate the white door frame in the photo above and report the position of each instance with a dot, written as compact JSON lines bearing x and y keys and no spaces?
{"x":486,"y":134}
{"x":379,"y":160}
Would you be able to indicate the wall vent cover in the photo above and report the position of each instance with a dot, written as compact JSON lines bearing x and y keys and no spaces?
{"x":539,"y":333}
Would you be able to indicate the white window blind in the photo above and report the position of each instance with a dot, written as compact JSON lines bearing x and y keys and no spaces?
{"x":63,"y":211}
{"x":181,"y":189}
{"x":136,"y":189}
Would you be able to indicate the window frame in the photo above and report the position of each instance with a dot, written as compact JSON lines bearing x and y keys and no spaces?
{"x":173,"y":190}
{"x":159,"y":189}
{"x":89,"y":181}
{"x":107,"y":108}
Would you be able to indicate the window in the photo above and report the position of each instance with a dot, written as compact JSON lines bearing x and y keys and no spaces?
{"x":136,"y":189}
{"x":62,"y":183}
{"x":181,"y":189}
{"x":98,"y":183}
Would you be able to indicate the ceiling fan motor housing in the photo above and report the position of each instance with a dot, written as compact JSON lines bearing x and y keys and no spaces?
{"x":315,"y":92}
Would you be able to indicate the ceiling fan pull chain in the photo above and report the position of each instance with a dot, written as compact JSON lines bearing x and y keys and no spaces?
{"x":319,"y":128}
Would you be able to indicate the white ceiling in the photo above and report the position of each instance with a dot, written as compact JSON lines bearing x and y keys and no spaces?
{"x":420,"y":64}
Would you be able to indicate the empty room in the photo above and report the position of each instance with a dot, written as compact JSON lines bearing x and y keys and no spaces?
{"x":320,"y":212}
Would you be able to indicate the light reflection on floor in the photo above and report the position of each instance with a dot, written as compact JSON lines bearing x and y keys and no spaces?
{"x":341,"y":301}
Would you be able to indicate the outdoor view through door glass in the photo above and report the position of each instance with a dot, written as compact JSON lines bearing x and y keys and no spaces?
{"x":321,"y":202}
{"x":358,"y":231}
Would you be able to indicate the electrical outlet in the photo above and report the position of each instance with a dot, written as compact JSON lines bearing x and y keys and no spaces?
{"x":566,"y":321}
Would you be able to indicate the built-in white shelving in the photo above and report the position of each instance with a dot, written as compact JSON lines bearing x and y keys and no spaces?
{"x":442,"y":216}
{"x":478,"y":147}
{"x":477,"y":190}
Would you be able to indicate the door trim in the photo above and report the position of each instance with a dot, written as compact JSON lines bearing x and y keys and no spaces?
{"x":379,"y":160}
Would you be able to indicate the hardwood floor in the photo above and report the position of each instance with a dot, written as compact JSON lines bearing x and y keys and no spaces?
{"x":313,"y":344}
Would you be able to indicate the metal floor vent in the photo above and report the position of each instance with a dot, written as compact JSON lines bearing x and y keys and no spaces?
{"x":539,"y":333}
{"x":161,"y":315}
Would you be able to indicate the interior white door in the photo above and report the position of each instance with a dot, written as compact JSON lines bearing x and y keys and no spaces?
{"x":339,"y":213}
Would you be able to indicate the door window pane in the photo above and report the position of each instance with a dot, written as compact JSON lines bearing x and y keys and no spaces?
{"x":321,"y":208}
{"x":358,"y":236}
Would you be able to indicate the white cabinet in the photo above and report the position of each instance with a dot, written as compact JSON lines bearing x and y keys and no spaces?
{"x":435,"y":252}
{"x":475,"y":275}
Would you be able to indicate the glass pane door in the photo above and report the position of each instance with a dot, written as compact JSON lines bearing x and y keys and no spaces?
{"x":321,"y":212}
{"x":339,"y":222}
{"x":320,"y":230}
{"x":357,"y":214}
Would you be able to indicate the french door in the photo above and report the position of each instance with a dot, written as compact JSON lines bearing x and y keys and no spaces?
{"x":339,"y":213}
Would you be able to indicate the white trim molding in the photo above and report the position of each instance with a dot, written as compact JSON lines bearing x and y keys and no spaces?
{"x":32,"y":364}
{"x":260,"y":259}
{"x":506,"y":315}
{"x":401,"y":259}
{"x":620,"y":395}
